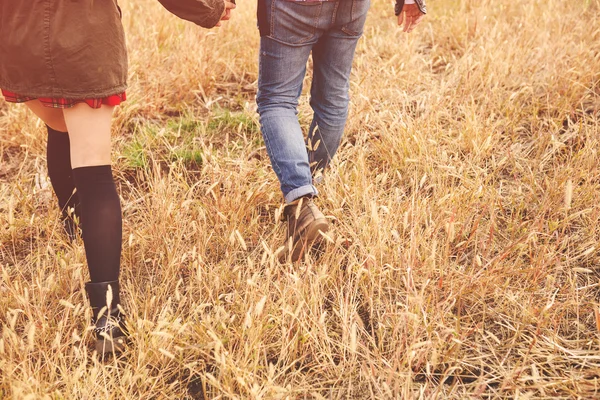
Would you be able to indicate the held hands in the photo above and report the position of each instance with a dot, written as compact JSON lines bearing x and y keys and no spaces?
{"x":411,"y":16}
{"x":227,"y":11}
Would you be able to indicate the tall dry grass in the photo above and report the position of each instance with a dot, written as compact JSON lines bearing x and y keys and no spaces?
{"x":463,"y":262}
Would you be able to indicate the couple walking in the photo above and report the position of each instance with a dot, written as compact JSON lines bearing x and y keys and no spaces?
{"x":67,"y":62}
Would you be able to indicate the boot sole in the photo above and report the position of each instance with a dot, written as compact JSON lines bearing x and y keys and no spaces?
{"x":105,"y":346}
{"x":311,"y":235}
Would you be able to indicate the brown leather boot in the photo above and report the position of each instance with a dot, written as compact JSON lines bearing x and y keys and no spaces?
{"x":304,"y":222}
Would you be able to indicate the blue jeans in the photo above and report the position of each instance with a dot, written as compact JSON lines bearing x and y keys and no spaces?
{"x":289,"y":32}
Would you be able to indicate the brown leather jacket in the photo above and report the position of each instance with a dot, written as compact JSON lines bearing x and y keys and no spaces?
{"x":74,"y":49}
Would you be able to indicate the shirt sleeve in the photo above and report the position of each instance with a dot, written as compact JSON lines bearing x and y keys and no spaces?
{"x":205,"y":13}
{"x":400,"y":5}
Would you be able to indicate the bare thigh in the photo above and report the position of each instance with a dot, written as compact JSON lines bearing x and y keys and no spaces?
{"x":89,"y":133}
{"x":53,"y":117}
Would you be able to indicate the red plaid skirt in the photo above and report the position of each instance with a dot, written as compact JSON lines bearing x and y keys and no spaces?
{"x":51,"y":102}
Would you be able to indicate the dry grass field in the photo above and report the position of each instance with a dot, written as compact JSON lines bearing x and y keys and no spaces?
{"x":464,"y":261}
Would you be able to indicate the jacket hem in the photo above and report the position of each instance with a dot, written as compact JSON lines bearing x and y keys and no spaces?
{"x":63,"y":94}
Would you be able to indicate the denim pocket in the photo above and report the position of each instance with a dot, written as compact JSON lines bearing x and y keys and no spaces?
{"x":352,"y":16}
{"x":294,"y":22}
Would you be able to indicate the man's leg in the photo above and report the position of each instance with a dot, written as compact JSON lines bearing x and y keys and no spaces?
{"x":288,"y":33}
{"x":332,"y":56}
{"x":281,"y":72}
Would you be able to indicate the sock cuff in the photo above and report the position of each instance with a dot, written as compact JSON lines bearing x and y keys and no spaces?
{"x":92,"y":174}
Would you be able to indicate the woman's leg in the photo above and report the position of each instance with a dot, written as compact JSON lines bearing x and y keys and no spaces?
{"x":53,"y":117}
{"x":89,"y":131}
{"x":59,"y":162}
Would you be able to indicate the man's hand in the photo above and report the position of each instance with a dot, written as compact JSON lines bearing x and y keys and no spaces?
{"x":411,"y":16}
{"x":227,"y":11}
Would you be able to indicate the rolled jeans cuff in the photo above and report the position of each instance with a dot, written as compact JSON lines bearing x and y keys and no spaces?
{"x":299,"y":192}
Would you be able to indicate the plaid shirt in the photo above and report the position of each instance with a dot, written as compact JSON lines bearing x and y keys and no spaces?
{"x":51,"y":102}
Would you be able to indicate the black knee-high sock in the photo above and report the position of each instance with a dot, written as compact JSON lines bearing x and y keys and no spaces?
{"x":101,"y":221}
{"x":58,"y":156}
